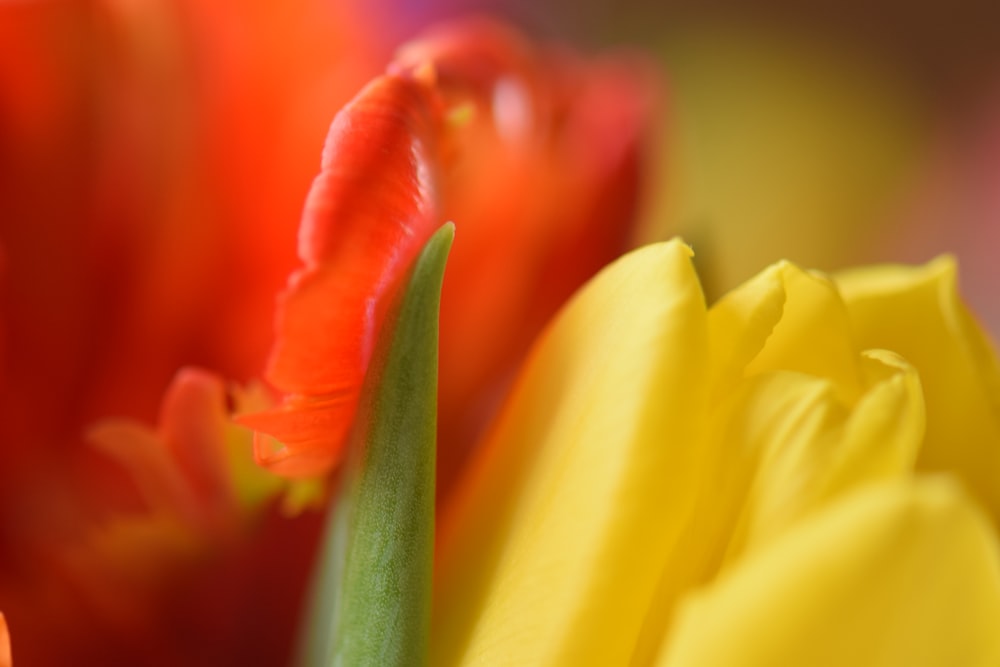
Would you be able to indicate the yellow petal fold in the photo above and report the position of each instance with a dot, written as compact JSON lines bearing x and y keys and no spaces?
{"x":739,"y":325}
{"x":784,"y":442}
{"x":802,"y":414}
{"x":917,"y":312}
{"x":813,"y":335}
{"x":797,"y":446}
{"x":780,"y":449}
{"x":550,"y":551}
{"x":903,"y":573}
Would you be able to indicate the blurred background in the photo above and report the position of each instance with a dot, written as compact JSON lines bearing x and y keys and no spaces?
{"x":829,"y":133}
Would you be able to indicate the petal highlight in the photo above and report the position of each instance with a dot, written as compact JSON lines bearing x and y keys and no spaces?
{"x":592,"y":455}
{"x":918,"y":313}
{"x":368,"y":214}
{"x":840,"y":589}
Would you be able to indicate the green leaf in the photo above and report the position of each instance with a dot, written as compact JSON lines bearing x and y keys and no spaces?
{"x":372,"y":593}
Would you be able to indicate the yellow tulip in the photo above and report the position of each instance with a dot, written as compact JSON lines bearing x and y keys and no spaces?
{"x":806,"y":473}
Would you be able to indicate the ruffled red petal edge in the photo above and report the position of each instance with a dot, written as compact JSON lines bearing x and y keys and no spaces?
{"x":368,"y":214}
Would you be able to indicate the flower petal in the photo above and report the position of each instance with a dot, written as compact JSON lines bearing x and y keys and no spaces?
{"x":593,"y":455}
{"x":780,"y":448}
{"x":368,"y":214}
{"x":917,"y":312}
{"x":813,"y":335}
{"x":797,"y":446}
{"x":196,"y":465}
{"x":533,"y":152}
{"x":839,"y":589}
{"x":542,"y":173}
{"x":740,"y":323}
{"x":5,"y":659}
{"x":783,"y":442}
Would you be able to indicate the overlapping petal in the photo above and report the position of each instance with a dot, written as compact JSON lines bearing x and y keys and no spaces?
{"x":904,"y":573}
{"x":783,"y":442}
{"x":174,"y":133}
{"x":534,"y":154}
{"x":538,"y":559}
{"x":194,"y":466}
{"x":917,"y":312}
{"x":792,"y":515}
{"x":369,"y":212}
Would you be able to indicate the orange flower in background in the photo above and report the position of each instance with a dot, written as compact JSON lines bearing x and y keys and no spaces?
{"x":155,"y":171}
{"x":153,"y":161}
{"x":536,"y":157}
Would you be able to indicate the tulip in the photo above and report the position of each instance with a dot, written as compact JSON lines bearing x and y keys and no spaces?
{"x":155,"y":157}
{"x":533,"y":153}
{"x":805,"y":472}
{"x":161,"y":543}
{"x":460,"y":120}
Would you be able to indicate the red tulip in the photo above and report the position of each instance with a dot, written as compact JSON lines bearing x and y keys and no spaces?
{"x":152,"y":172}
{"x":533,"y":153}
{"x":153,"y":161}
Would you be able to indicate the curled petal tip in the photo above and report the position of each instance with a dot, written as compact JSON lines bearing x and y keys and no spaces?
{"x":524,"y":146}
{"x":368,"y":213}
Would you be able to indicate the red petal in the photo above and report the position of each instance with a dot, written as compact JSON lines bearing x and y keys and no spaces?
{"x":193,"y":423}
{"x":368,"y":214}
{"x":4,"y":643}
{"x":539,"y":155}
{"x":304,"y":429}
{"x":180,"y":467}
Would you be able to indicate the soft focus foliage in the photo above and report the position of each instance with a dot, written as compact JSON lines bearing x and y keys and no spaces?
{"x":762,"y":482}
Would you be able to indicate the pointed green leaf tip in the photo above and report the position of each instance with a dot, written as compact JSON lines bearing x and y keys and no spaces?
{"x":371,"y":597}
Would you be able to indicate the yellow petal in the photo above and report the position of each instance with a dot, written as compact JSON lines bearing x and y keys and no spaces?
{"x":883,"y":434}
{"x":800,"y":446}
{"x":902,"y":573}
{"x":783,"y":319}
{"x":798,"y":416}
{"x":916,"y":311}
{"x":814,"y":416}
{"x":552,"y":547}
{"x":740,"y":323}
{"x":813,"y":335}
{"x":780,"y":448}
